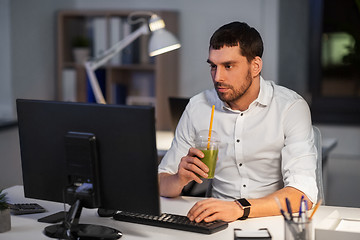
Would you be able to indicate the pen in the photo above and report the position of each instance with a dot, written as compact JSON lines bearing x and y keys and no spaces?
{"x":315,"y":208}
{"x":302,"y":198}
{"x":303,"y":216}
{"x":281,"y":210}
{"x":288,"y":205}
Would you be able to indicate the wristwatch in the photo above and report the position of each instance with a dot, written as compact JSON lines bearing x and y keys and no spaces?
{"x":245,"y":205}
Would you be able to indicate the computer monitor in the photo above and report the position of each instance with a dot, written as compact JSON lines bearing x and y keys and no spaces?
{"x":108,"y":150}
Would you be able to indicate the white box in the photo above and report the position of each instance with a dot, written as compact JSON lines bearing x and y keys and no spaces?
{"x":335,"y":227}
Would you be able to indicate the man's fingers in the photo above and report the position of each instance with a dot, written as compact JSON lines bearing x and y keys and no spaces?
{"x":193,"y":167}
{"x":196,"y":155}
{"x":211,"y":209}
{"x":191,"y":176}
{"x":199,"y":211}
{"x":192,"y":163}
{"x":195,"y":152}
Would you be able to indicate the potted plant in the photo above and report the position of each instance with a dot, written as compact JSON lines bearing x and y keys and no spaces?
{"x":5,"y":222}
{"x":81,"y":49}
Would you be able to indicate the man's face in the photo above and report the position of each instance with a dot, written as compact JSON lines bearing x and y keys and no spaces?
{"x":230,"y":72}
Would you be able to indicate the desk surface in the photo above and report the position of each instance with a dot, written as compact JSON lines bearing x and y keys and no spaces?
{"x":27,"y":227}
{"x":163,"y":141}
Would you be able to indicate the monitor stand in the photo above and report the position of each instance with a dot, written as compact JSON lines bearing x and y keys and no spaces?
{"x":71,"y":229}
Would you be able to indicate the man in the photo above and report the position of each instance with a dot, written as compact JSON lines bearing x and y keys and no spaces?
{"x":267,"y":143}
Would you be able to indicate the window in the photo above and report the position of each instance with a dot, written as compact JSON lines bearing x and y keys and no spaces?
{"x":335,"y":61}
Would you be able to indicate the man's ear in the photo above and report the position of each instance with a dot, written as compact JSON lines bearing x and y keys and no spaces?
{"x":256,"y":66}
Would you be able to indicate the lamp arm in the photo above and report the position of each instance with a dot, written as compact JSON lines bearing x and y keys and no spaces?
{"x":92,"y":65}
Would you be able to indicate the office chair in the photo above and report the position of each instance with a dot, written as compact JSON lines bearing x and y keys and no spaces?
{"x":319,"y":177}
{"x":177,"y":106}
{"x":318,"y":171}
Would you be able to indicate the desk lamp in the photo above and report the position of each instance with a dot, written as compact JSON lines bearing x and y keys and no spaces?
{"x":161,"y":41}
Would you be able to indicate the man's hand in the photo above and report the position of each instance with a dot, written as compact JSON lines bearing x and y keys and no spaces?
{"x":214,"y":209}
{"x":171,"y":185}
{"x":191,"y":167}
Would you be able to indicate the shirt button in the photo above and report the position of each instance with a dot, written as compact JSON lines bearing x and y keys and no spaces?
{"x":240,"y":164}
{"x":241,"y":114}
{"x":244,"y":185}
{"x":238,"y":140}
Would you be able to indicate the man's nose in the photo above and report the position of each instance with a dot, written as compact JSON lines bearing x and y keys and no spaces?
{"x":219,"y":75}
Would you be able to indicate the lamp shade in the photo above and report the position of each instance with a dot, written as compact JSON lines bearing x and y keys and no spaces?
{"x":162,"y":41}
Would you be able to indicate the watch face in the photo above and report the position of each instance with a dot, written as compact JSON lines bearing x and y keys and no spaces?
{"x":244,"y":202}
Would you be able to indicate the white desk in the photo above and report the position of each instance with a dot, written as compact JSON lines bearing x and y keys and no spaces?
{"x":163,"y":141}
{"x":27,"y":227}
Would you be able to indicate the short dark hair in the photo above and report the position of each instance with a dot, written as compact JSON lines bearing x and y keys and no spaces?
{"x":239,"y":33}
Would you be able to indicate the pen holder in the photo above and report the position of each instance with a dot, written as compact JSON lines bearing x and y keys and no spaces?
{"x":297,"y":229}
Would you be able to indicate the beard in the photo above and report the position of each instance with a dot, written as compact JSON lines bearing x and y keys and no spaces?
{"x":234,"y":94}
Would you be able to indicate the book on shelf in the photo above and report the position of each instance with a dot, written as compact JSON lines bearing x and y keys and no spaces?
{"x":99,"y":35}
{"x":69,"y":84}
{"x":127,"y":53}
{"x":119,"y":93}
{"x":144,"y":57}
{"x":116,"y":35}
{"x":101,"y":77}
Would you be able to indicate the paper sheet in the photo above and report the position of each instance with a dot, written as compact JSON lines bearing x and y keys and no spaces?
{"x":349,"y":225}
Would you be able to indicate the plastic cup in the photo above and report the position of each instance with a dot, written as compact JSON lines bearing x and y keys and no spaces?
{"x":209,"y":148}
{"x":298,"y":230}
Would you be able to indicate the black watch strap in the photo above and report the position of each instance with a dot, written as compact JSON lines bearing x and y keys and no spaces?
{"x":245,"y":206}
{"x":246,"y":213}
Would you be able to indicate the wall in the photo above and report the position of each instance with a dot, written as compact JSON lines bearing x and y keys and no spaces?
{"x":6,"y":105}
{"x":294,"y":44}
{"x":33,"y":47}
{"x":10,"y":170}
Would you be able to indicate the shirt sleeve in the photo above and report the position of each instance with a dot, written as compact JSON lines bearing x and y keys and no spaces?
{"x":180,"y":145}
{"x":299,"y":152}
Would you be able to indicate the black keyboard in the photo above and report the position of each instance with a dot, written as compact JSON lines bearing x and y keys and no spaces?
{"x":172,"y":221}
{"x":26,"y":208}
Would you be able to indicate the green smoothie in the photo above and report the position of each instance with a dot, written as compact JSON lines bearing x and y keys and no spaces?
{"x":210,"y":158}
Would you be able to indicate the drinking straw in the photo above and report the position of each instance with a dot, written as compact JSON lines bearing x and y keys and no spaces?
{"x":210,"y":128}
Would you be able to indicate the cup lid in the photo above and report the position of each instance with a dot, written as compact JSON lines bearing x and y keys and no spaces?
{"x":203,"y":135}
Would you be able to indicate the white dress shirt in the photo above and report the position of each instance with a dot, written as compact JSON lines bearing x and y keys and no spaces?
{"x":263,"y":149}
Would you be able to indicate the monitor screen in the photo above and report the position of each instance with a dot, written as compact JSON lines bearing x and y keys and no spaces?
{"x":125,"y":143}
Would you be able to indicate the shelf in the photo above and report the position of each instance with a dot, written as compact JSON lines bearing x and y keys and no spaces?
{"x":126,"y":67}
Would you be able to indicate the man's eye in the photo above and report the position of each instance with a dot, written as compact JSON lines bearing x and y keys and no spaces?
{"x":212,"y":66}
{"x":228,"y":66}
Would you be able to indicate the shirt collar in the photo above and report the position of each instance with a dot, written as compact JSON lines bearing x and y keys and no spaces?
{"x":265,"y":94}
